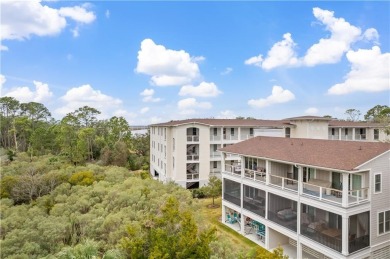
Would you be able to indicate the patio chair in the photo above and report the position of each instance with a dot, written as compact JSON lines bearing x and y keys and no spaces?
{"x":230,"y":220}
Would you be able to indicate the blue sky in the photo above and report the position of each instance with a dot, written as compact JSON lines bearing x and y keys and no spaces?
{"x":158,"y":61}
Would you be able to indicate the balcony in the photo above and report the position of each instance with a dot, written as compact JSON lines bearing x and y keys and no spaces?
{"x":192,"y":138}
{"x":360,"y":136}
{"x":215,"y":137}
{"x":192,"y":175}
{"x":282,"y":211}
{"x":246,"y":136}
{"x":232,"y":192}
{"x":233,"y":169}
{"x":230,"y":137}
{"x":256,"y":175}
{"x":215,"y":154}
{"x":192,"y":157}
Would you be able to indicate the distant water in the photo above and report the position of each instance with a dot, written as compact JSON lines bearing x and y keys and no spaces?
{"x":138,"y":132}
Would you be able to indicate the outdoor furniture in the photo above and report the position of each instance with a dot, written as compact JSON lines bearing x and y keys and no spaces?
{"x":286,"y":214}
{"x":230,"y":219}
{"x":332,"y":232}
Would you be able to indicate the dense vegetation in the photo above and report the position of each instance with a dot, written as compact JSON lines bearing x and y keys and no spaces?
{"x":79,"y":137}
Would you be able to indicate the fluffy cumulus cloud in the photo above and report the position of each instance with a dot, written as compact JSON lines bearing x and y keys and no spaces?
{"x":204,"y":89}
{"x":311,"y":111}
{"x":85,"y":95}
{"x":190,"y":106}
{"x":227,"y":71}
{"x":148,"y":96}
{"x":327,"y":51}
{"x":369,"y":72}
{"x":279,"y":95}
{"x":330,"y":50}
{"x":282,"y":53}
{"x":35,"y":18}
{"x":24,"y":94}
{"x":165,"y":66}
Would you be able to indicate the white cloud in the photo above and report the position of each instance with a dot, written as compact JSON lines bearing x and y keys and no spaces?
{"x":255,"y":60}
{"x":144,"y":110}
{"x":3,"y":48}
{"x":371,"y":34}
{"x":369,"y":72}
{"x":191,"y":105}
{"x":227,"y":71}
{"x":85,"y":95}
{"x":204,"y":89}
{"x":2,"y":82}
{"x":129,"y":116}
{"x":155,"y":119}
{"x":281,"y":54}
{"x":165,"y":66}
{"x":25,"y":94}
{"x":34,"y":18}
{"x":107,"y":13}
{"x":311,"y":111}
{"x":330,"y":50}
{"x":279,"y":95}
{"x":77,"y":13}
{"x":227,"y":114}
{"x":148,"y":96}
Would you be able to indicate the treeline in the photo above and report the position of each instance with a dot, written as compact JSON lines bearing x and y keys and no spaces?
{"x":79,"y":137}
{"x":95,"y":211}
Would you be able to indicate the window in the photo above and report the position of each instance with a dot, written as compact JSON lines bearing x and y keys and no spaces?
{"x":215,"y":131}
{"x":194,"y":131}
{"x":376,"y":134}
{"x":384,"y":222}
{"x":288,"y":132}
{"x":251,"y":131}
{"x":232,"y":131}
{"x":165,"y":133}
{"x":215,"y":164}
{"x":173,"y":162}
{"x":215,"y":147}
{"x":378,"y":183}
{"x":346,"y":132}
{"x":332,"y":131}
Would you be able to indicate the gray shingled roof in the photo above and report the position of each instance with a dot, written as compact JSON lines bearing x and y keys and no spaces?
{"x":226,"y":122}
{"x":333,"y":154}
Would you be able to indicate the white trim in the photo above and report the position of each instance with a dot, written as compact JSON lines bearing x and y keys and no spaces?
{"x":368,"y":161}
{"x":384,"y":222}
{"x":375,"y":192}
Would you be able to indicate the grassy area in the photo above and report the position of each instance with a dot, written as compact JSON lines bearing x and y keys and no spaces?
{"x":214,"y":215}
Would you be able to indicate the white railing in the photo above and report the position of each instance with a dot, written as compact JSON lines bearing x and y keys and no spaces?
{"x":333,"y":137}
{"x":255,"y":175}
{"x":323,"y":193}
{"x":360,"y":136}
{"x":215,"y":137}
{"x":192,"y":176}
{"x":358,"y":196}
{"x":232,"y":156}
{"x":246,"y":136}
{"x":284,"y":182}
{"x":234,"y":169}
{"x":193,"y":138}
{"x":193,"y":157}
{"x":346,"y":137}
{"x":215,"y":154}
{"x":230,"y":137}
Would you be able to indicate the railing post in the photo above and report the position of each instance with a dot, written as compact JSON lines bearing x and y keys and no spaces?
{"x":267,"y":172}
{"x":345,"y":190}
{"x":320,"y":192}
{"x":282,"y":183}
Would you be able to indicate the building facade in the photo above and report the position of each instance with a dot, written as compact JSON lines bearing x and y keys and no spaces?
{"x":186,"y":151}
{"x":316,"y":198}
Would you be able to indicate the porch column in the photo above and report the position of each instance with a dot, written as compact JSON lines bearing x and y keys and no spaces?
{"x":223,"y":162}
{"x":353,"y":133}
{"x":344,"y":237}
{"x":242,"y":166}
{"x":300,"y":180}
{"x":223,"y":211}
{"x":299,"y":248}
{"x":266,"y":242}
{"x":339,"y":133}
{"x":267,"y":172}
{"x":241,"y":220}
{"x":344,"y":201}
{"x":222,"y":140}
{"x":239,"y":133}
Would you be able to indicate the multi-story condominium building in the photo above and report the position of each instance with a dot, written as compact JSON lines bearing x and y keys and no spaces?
{"x":186,"y":151}
{"x":316,"y":198}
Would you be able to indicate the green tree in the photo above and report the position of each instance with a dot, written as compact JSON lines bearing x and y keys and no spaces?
{"x":376,"y":113}
{"x":353,"y":114}
{"x":213,"y":188}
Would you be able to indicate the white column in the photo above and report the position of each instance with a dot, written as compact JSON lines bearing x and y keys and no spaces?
{"x":242,"y":166}
{"x":267,"y":172}
{"x":339,"y":133}
{"x":299,"y":249}
{"x":344,"y":237}
{"x":266,"y":243}
{"x":353,"y":133}
{"x":223,"y":211}
{"x":239,"y":133}
{"x":242,"y":220}
{"x":223,"y":169}
{"x":345,"y":190}
{"x":300,"y":180}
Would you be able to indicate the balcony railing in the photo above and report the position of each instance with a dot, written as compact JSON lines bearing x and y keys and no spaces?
{"x":346,"y":137}
{"x":192,"y":138}
{"x":360,"y":136}
{"x":328,"y":237}
{"x":284,"y":182}
{"x":333,"y":137}
{"x":191,"y":176}
{"x":230,"y":137}
{"x":358,"y":196}
{"x":255,"y":175}
{"x":246,"y":136}
{"x":215,"y":154}
{"x":193,"y":157}
{"x":215,"y":137}
{"x":233,"y":169}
